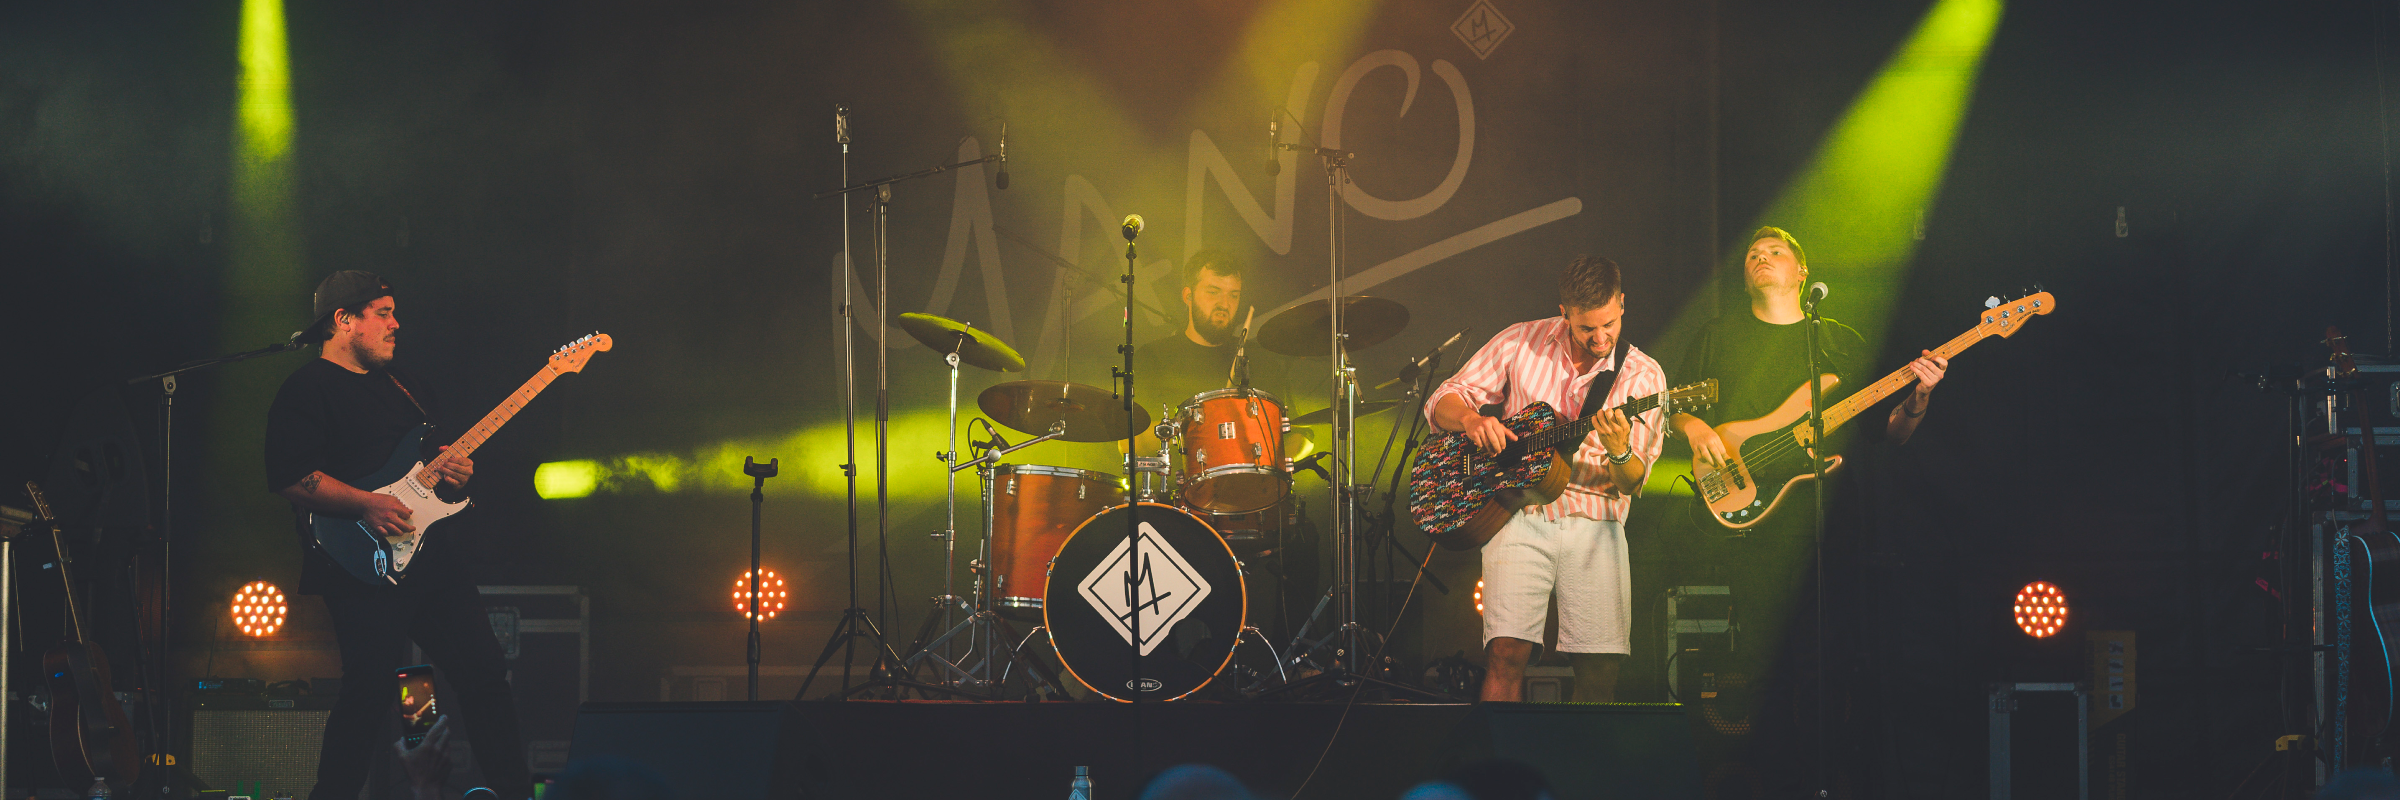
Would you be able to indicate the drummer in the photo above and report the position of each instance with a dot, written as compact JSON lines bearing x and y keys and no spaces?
{"x":1199,"y":357}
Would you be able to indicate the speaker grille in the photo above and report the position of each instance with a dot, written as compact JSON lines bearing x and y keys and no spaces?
{"x":275,"y":747}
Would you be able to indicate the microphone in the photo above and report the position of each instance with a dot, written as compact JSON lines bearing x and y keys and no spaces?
{"x":996,"y":443}
{"x":1001,"y":180}
{"x":1274,"y":143}
{"x":1133,"y":226}
{"x":1417,"y":366}
{"x":841,"y":124}
{"x":293,"y":343}
{"x":1817,"y":292}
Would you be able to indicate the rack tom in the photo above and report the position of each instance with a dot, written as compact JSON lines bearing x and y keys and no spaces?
{"x":1231,"y":445}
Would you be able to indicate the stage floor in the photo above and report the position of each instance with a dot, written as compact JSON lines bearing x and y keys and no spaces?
{"x":889,"y":749}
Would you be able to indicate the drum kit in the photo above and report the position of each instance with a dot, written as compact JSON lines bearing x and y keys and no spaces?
{"x":1138,"y":579}
{"x":1219,"y":489}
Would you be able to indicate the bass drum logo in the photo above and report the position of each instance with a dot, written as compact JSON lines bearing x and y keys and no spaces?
{"x":1147,"y":685}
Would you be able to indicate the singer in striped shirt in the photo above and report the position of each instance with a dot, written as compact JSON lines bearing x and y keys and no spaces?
{"x":1573,"y":547}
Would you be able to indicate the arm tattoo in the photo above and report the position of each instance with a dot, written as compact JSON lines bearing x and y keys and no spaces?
{"x":309,"y":484}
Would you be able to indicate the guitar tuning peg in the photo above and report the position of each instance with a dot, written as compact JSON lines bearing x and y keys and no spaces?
{"x":2037,"y":286}
{"x":1991,"y":302}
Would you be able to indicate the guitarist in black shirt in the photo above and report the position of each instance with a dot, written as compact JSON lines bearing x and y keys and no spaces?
{"x":334,"y":422}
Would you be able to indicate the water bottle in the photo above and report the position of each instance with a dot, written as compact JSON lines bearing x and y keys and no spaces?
{"x":1082,"y":790}
{"x":99,"y":790}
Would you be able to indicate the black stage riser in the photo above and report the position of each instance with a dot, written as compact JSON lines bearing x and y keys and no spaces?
{"x":1024,"y":750}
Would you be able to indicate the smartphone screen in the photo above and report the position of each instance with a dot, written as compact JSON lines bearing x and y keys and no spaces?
{"x":417,"y":711}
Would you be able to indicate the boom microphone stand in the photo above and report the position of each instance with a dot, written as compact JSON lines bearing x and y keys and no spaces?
{"x":885,"y":658}
{"x":155,"y":670}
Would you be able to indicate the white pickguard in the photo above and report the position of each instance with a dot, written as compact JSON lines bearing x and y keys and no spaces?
{"x":425,"y":508}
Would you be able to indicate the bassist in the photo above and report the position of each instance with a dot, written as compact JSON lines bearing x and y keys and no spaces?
{"x":1575,"y":546}
{"x":334,"y":421}
{"x":1759,"y":359}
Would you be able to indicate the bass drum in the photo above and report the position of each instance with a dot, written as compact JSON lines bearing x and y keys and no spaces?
{"x":1182,"y":580}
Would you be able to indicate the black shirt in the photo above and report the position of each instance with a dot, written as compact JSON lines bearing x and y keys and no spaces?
{"x":1172,"y":370}
{"x":1759,"y":364}
{"x":346,"y":424}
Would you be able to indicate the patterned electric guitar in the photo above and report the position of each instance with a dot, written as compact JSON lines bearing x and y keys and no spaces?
{"x":1461,"y":496}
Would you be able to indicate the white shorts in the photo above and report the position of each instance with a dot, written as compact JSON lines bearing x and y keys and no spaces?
{"x":1582,"y":559}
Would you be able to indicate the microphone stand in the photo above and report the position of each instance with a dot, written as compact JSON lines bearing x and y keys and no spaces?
{"x":887,"y":661}
{"x":155,"y":668}
{"x":1133,"y":508}
{"x":1816,"y":453}
{"x":759,"y":473}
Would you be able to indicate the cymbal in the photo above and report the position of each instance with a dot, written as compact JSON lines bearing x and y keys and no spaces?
{"x":978,"y":349}
{"x":1033,"y":406}
{"x":1324,"y":416}
{"x":1303,"y":330}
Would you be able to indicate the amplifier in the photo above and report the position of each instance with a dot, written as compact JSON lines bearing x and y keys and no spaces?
{"x":544,"y":634}
{"x":2382,"y":407}
{"x":275,"y":748}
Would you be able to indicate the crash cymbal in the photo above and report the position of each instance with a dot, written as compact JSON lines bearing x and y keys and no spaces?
{"x":1324,"y":416}
{"x":1033,"y":406}
{"x":1302,"y":330}
{"x":975,"y":347}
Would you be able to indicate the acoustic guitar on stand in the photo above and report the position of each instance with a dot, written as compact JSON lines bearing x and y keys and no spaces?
{"x":1767,"y":456}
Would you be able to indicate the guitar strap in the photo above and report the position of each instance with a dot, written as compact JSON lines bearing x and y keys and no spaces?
{"x":1603,"y":382}
{"x":412,"y":396}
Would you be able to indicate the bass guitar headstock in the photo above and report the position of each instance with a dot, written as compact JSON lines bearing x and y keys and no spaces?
{"x":2003,"y":319}
{"x":575,"y":354}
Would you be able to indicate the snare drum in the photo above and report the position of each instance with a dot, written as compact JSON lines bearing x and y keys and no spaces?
{"x":1231,"y":441}
{"x":1034,"y":509}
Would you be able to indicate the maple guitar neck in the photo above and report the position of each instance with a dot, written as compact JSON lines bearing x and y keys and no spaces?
{"x":490,"y":424}
{"x":1858,"y":402}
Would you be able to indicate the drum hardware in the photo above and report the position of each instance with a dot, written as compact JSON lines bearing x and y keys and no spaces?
{"x":855,"y":622}
{"x":1340,"y":324}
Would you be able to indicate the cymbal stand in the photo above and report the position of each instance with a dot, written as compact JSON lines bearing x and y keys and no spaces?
{"x":1350,"y":639}
{"x":987,"y":634}
{"x":855,"y":622}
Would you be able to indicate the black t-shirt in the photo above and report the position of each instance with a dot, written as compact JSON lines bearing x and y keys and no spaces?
{"x":346,"y":424}
{"x":1172,"y":370}
{"x":1759,"y":364}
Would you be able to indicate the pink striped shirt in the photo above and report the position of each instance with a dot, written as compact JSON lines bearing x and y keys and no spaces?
{"x":1535,"y":361}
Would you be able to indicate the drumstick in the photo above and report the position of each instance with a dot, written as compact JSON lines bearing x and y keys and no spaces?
{"x":1235,"y":368}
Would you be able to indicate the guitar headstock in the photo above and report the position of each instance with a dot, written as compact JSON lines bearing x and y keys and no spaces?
{"x":1692,"y":397}
{"x":41,"y":504}
{"x":2339,"y":346}
{"x":2003,"y":319}
{"x":572,"y":357}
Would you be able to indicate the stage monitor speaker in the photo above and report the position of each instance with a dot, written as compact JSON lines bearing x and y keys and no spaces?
{"x":703,"y":750}
{"x":1589,"y":750}
{"x":277,"y":748}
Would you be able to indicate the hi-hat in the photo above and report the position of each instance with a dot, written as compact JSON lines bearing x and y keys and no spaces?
{"x":974,"y":346}
{"x":1305,"y":329}
{"x":1366,"y":408}
{"x":1032,"y":407}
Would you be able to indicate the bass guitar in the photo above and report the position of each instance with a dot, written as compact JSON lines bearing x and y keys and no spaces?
{"x":90,"y":737}
{"x":410,"y":478}
{"x":1461,"y":496}
{"x":2373,"y":550}
{"x":1765,"y":458}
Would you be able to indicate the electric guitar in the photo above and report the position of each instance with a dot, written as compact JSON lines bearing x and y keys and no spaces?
{"x":373,"y":558}
{"x":2374,"y":554}
{"x":90,"y":736}
{"x":1461,"y":496}
{"x":1768,"y":456}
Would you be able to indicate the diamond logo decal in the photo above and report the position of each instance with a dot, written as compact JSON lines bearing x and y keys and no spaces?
{"x":1482,"y":28}
{"x":1153,"y":580}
